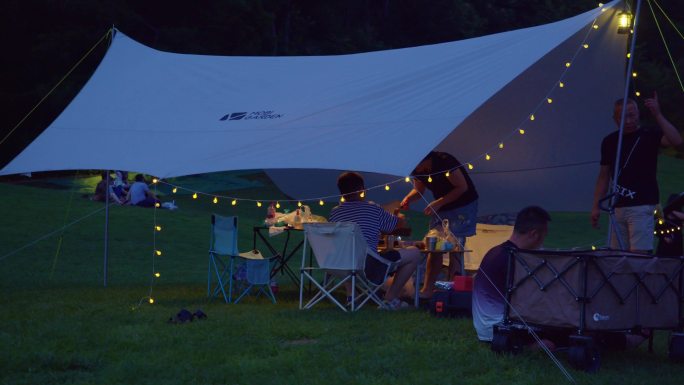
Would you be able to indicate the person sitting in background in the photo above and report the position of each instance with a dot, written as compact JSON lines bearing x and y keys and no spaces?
{"x":373,"y":220}
{"x":121,"y":185}
{"x":139,"y":193}
{"x":101,"y":190}
{"x":489,"y":284}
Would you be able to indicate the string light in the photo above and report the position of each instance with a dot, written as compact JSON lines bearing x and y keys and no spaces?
{"x":157,"y":227}
{"x":501,"y":145}
{"x":521,"y":131}
{"x":215,"y":200}
{"x":155,"y":180}
{"x":157,"y":275}
{"x":277,"y":205}
{"x":363,"y":194}
{"x":487,"y":157}
{"x":561,"y":84}
{"x":158,"y":252}
{"x":532,"y":117}
{"x":342,"y":199}
{"x":660,"y":221}
{"x":387,"y":187}
{"x":320,"y":202}
{"x":628,"y":55}
{"x":407,"y":179}
{"x":593,"y":247}
{"x":470,"y":166}
{"x":549,"y":100}
{"x":175,"y":190}
{"x":567,"y":64}
{"x":447,"y":174}
{"x":157,"y":204}
{"x":429,"y":179}
{"x":151,"y":300}
{"x":595,"y":26}
{"x":234,"y":202}
{"x":637,"y":93}
{"x":299,"y":204}
{"x":258,"y":204}
{"x":634,"y":74}
{"x":194,"y":196}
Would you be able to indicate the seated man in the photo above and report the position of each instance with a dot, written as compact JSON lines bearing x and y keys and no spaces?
{"x":373,"y":220}
{"x":140,"y":195}
{"x":489,"y":285}
{"x":101,"y":190}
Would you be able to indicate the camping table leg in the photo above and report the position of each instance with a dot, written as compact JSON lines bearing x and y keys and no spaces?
{"x":282,"y":257}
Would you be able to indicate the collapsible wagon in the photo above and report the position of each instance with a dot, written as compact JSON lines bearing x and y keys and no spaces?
{"x":590,"y":295}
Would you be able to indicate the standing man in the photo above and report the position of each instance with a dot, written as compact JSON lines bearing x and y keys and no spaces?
{"x":636,"y":193}
{"x":455,"y":200}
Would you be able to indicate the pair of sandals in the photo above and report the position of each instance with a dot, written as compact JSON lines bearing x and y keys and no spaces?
{"x":184,"y":316}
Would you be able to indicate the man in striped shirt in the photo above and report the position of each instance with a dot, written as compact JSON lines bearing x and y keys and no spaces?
{"x":374,"y":220}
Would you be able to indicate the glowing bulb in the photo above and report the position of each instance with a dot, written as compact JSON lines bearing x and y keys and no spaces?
{"x":258,"y":204}
{"x":156,"y":204}
{"x":679,"y":227}
{"x":532,"y":117}
{"x":655,"y":211}
{"x":585,"y":45}
{"x":234,"y":202}
{"x":175,"y":190}
{"x":629,"y":55}
{"x":470,"y":166}
{"x":567,"y":64}
{"x":662,"y":232}
{"x":157,"y":275}
{"x":342,"y":199}
{"x":595,"y":26}
{"x":447,"y":174}
{"x":600,"y":5}
{"x":593,"y":247}
{"x":634,"y":74}
{"x":637,"y":93}
{"x":429,"y":179}
{"x":501,"y":145}
{"x":549,"y":100}
{"x":215,"y":200}
{"x":194,"y":196}
{"x":561,"y":84}
{"x":155,"y":180}
{"x":386,"y":187}
{"x":151,"y":300}
{"x":158,"y":228}
{"x":603,"y":9}
{"x":407,"y":179}
{"x":158,"y":252}
{"x":363,"y":194}
{"x":660,"y":221}
{"x":320,"y":202}
{"x":277,"y":205}
{"x":487,"y":157}
{"x":655,"y":232}
{"x":521,"y":131}
{"x":299,"y":204}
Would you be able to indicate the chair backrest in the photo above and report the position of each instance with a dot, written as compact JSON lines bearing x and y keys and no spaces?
{"x":224,"y":231}
{"x":337,"y":245}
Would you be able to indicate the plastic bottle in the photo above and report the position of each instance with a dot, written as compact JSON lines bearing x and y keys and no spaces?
{"x":298,"y":220}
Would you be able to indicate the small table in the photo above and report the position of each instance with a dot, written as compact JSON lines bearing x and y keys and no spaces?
{"x":281,"y":256}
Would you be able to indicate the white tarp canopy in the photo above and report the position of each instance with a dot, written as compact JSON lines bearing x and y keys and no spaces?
{"x":169,"y":114}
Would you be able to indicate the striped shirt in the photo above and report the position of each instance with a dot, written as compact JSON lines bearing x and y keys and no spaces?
{"x":372,"y":219}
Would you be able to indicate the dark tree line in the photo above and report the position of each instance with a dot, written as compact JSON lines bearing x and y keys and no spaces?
{"x":43,"y":39}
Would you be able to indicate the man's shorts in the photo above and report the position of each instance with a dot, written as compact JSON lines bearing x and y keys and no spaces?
{"x":634,"y":225}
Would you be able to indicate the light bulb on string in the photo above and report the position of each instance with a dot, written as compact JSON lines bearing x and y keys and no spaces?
{"x":363,"y":194}
{"x":175,"y":190}
{"x":342,"y":199}
{"x":487,"y":157}
{"x":234,"y":202}
{"x":407,"y":179}
{"x":157,"y":227}
{"x":637,"y":93}
{"x":447,"y":174}
{"x":320,"y":202}
{"x":277,"y":205}
{"x":585,"y":45}
{"x":158,"y":252}
{"x":532,"y":117}
{"x":157,"y":204}
{"x":155,"y":180}
{"x":549,"y":100}
{"x":634,"y":74}
{"x":387,"y":187}
{"x":595,"y":26}
{"x":215,"y":200}
{"x":157,"y":275}
{"x":470,"y":166}
{"x":429,"y":178}
{"x":299,"y":204}
{"x":561,"y":84}
{"x":194,"y":196}
{"x":501,"y":145}
{"x":151,"y":300}
{"x":521,"y":131}
{"x":628,"y":55}
{"x":567,"y":64}
{"x":258,"y":204}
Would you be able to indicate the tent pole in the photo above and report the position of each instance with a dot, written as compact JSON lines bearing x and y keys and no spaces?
{"x":106,"y":229}
{"x":616,"y":170}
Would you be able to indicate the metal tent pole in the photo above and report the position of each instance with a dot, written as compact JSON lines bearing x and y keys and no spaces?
{"x":106,"y":229}
{"x":616,"y":169}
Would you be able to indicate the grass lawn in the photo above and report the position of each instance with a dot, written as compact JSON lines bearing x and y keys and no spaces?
{"x":59,"y":325}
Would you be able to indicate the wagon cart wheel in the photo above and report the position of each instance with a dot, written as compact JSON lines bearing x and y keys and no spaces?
{"x":583,"y":354}
{"x":506,"y":339}
{"x":677,"y":347}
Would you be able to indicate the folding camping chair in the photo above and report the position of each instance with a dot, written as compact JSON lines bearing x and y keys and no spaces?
{"x":223,"y":245}
{"x":341,"y":254}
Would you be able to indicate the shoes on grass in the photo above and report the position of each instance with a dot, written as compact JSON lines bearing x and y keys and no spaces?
{"x":184,"y":316}
{"x":395,"y":304}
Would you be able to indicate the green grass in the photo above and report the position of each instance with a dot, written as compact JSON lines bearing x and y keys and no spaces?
{"x":60,"y":326}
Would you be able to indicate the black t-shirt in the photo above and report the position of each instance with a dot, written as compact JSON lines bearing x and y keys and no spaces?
{"x":636,"y":182}
{"x":440,"y":185}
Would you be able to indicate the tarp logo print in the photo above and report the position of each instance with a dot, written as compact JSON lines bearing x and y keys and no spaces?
{"x":251,"y":115}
